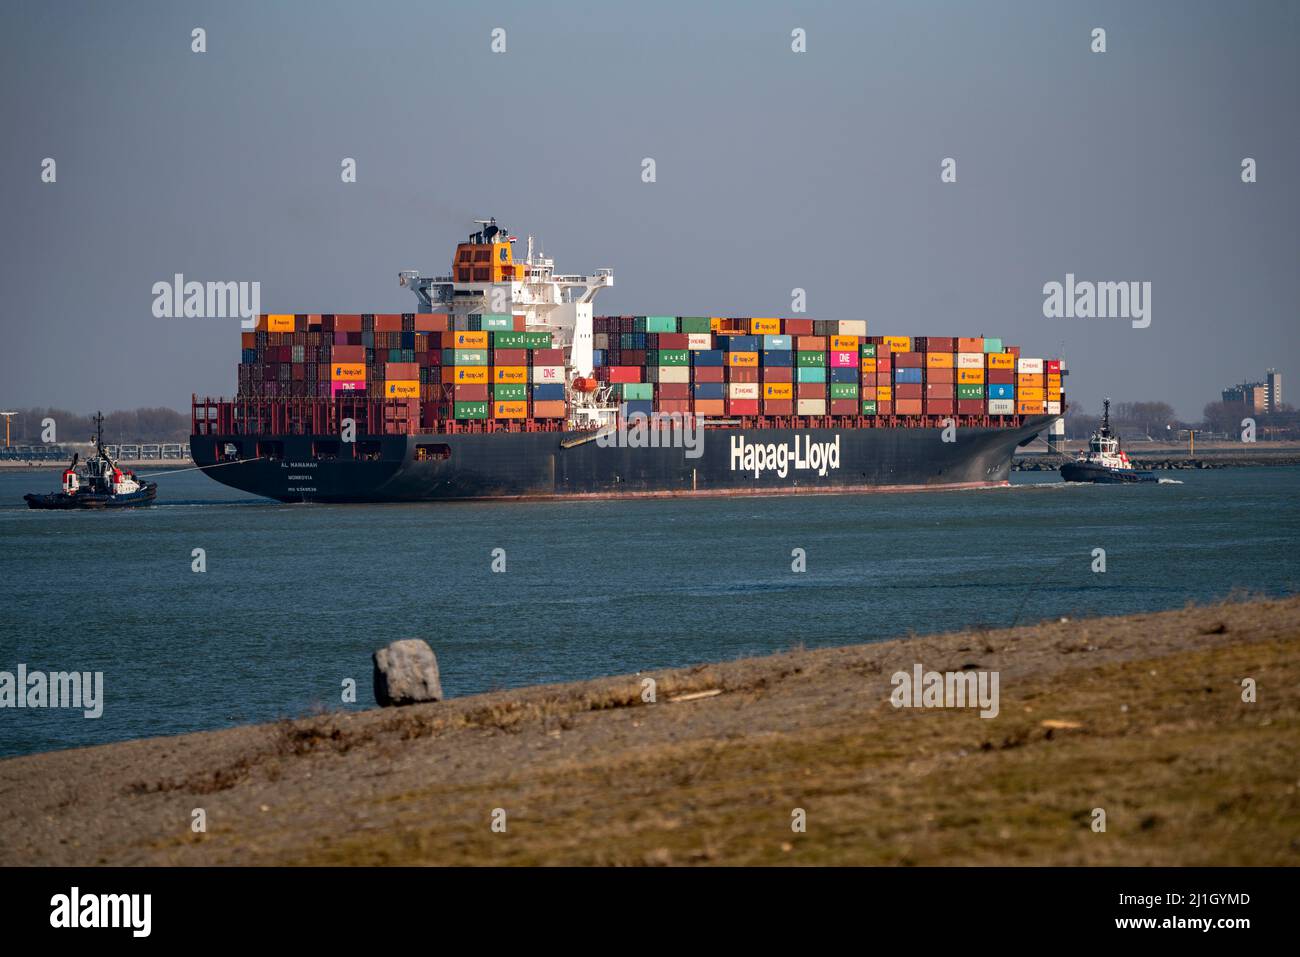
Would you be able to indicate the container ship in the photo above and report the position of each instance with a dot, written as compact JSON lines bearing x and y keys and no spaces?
{"x":504,"y":384}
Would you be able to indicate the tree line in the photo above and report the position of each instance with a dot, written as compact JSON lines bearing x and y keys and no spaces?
{"x":127,"y":425}
{"x":1158,"y":420}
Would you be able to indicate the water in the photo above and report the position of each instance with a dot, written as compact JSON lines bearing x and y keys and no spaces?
{"x":295,"y":598}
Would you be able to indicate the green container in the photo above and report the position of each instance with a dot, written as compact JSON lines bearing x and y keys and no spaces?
{"x":844,"y":390}
{"x":967,"y":390}
{"x":508,"y":392}
{"x":695,"y":324}
{"x":394,"y":355}
{"x":816,"y":374}
{"x":632,"y":391}
{"x":464,"y":357}
{"x":668,"y":357}
{"x":660,"y":324}
{"x":470,"y":410}
{"x":805,"y":360}
{"x":868,"y":349}
{"x":992,"y":345}
{"x":868,"y":406}
{"x":521,"y":340}
{"x":496,"y":322}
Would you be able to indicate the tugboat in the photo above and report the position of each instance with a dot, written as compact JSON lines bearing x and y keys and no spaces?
{"x":1104,"y":461}
{"x":100,"y":483}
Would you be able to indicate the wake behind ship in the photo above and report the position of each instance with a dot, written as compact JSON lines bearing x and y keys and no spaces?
{"x":505,"y":385}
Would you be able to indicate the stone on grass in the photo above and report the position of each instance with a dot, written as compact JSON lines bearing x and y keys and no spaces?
{"x":406,"y":672}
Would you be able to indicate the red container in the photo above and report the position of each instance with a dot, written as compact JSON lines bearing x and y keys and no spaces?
{"x":674,"y":405}
{"x":634,"y":357}
{"x":810,"y":390}
{"x":742,"y":374}
{"x":388,"y":322}
{"x":845,"y":407}
{"x":883,"y":351}
{"x":432,"y":322}
{"x":810,"y":344}
{"x":970,"y":406}
{"x":548,"y":357}
{"x":940,"y":406}
{"x":674,"y":340}
{"x":622,"y":373}
{"x":908,"y":390}
{"x":347,"y":322}
{"x":401,"y":371}
{"x":1053,"y":366}
{"x":742,"y":407}
{"x":1014,"y":350}
{"x":885,"y":366}
{"x":940,"y":344}
{"x":674,"y":390}
{"x":938,"y":390}
{"x":472,"y":392}
{"x":709,"y":374}
{"x":1001,"y":376}
{"x":549,"y":409}
{"x":941,"y":376}
{"x":778,"y":407}
{"x":869,"y":379}
{"x":907,"y":360}
{"x":777,"y":374}
{"x":885,"y":407}
{"x":907,"y":407}
{"x":348,"y":354}
{"x":798,"y":327}
{"x":510,"y":357}
{"x":433,"y":357}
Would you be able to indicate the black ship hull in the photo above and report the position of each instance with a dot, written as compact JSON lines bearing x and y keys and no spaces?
{"x":514,"y":465}
{"x":1101,"y":475}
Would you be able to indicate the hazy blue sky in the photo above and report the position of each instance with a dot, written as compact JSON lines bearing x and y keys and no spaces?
{"x":775,"y":170}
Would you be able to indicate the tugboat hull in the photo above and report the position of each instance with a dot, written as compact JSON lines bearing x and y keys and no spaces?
{"x":83,"y":500}
{"x":1101,"y":475}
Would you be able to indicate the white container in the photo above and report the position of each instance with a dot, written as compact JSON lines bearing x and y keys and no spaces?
{"x":970,"y":360}
{"x":1053,"y":408}
{"x":548,"y":373}
{"x":699,"y":340}
{"x":811,"y":407}
{"x":742,"y":390}
{"x":1002,"y":406}
{"x":1030,"y":367}
{"x":853,"y":327}
{"x":668,"y":374}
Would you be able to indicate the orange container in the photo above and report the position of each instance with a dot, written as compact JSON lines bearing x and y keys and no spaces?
{"x":1027,"y":407}
{"x":354,"y":372}
{"x":461,"y":375}
{"x":509,"y":374}
{"x":465,"y":340}
{"x":509,"y":410}
{"x":778,"y":390}
{"x":432,"y":322}
{"x":898,"y":343}
{"x":402,"y":389}
{"x":388,"y":322}
{"x":884,"y":393}
{"x":810,"y":343}
{"x":939,"y":360}
{"x":970,"y":376}
{"x":710,"y":407}
{"x":1031,"y":380}
{"x":1002,"y":360}
{"x":1031,"y":394}
{"x":844,"y":343}
{"x":279,"y":322}
{"x":970,"y":345}
{"x":550,"y":409}
{"x":868,"y":364}
{"x":907,"y":406}
{"x":743,"y":360}
{"x":764,"y":327}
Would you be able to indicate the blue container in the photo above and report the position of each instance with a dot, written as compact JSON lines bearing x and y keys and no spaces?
{"x":1003,"y":391}
{"x":548,"y":391}
{"x":710,"y":390}
{"x":640,"y":407}
{"x":844,"y":375}
{"x":810,"y":374}
{"x":598,"y":357}
{"x":742,"y":343}
{"x":907,"y":376}
{"x":408,"y":340}
{"x":707,"y":357}
{"x":778,"y":359}
{"x":774,"y":343}
{"x":248,"y":356}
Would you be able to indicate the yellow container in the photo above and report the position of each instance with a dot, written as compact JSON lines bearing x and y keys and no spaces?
{"x":970,"y":376}
{"x":778,"y":390}
{"x":939,"y":360}
{"x":279,"y":323}
{"x":351,"y":371}
{"x":899,"y":343}
{"x":868,"y":363}
{"x":715,"y":323}
{"x":742,"y":359}
{"x":844,"y":343}
{"x":509,"y":410}
{"x":1002,"y":360}
{"x":764,"y":327}
{"x":884,"y":393}
{"x":1032,"y":394}
{"x":510,"y":374}
{"x":402,"y":389}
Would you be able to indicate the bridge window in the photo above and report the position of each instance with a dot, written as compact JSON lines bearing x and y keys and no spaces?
{"x":369,"y":451}
{"x":325,"y":450}
{"x":270,"y":450}
{"x":229,"y":451}
{"x":432,"y":453}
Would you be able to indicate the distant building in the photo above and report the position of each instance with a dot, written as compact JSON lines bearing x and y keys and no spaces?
{"x":1257,"y":397}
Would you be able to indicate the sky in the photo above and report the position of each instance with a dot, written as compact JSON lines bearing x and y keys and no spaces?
{"x":774,"y":170}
